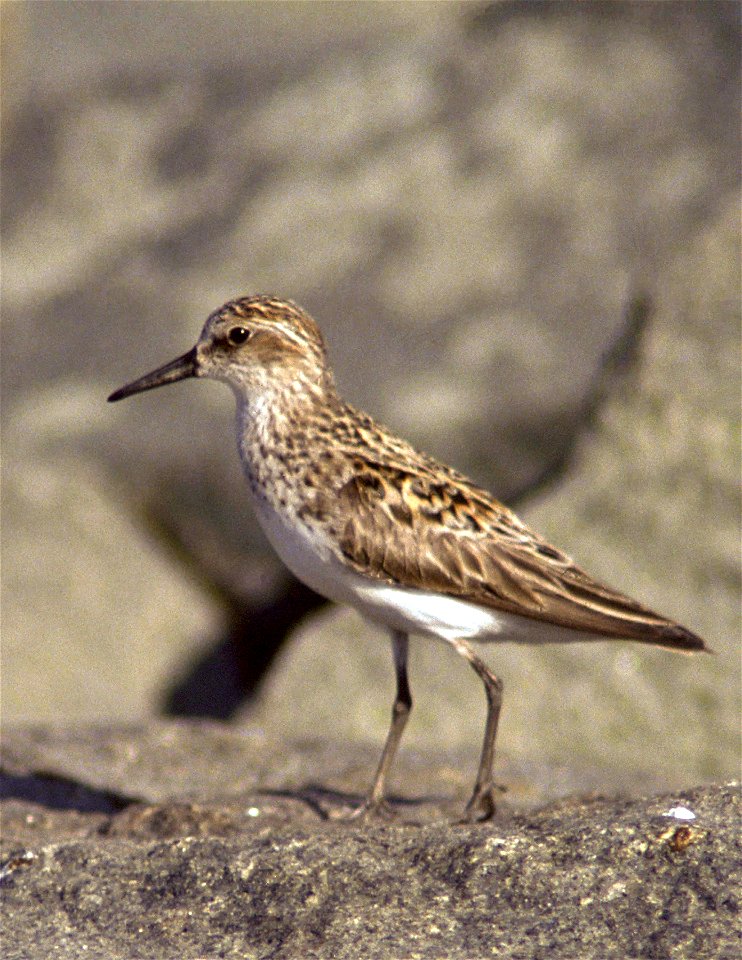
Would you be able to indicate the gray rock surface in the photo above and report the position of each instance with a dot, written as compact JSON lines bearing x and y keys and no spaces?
{"x":177,"y":840}
{"x":468,"y":197}
{"x":78,"y":626}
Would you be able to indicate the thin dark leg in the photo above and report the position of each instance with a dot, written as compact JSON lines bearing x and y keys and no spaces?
{"x":374,"y":803}
{"x":481,"y":805}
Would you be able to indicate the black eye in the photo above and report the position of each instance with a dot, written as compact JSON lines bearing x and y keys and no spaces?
{"x":238,"y":335}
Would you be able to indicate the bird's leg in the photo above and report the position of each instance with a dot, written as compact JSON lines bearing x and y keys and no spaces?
{"x":481,"y":805}
{"x":374,"y":804}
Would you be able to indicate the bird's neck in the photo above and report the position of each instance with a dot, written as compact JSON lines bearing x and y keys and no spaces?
{"x":278,"y":418}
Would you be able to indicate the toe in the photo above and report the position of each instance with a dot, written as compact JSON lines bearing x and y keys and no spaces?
{"x":481,"y":806}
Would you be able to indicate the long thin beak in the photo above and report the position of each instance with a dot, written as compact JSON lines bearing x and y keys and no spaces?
{"x":180,"y":369}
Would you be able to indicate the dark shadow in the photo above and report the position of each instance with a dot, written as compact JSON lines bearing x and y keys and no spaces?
{"x":322,"y":800}
{"x":59,"y":793}
{"x":722,"y":17}
{"x":617,"y":364}
{"x":231,"y":672}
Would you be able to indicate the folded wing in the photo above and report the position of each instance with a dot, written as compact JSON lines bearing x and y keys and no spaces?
{"x":411,"y":528}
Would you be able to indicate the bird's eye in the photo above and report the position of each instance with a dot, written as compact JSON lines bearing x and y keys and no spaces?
{"x":238,"y":335}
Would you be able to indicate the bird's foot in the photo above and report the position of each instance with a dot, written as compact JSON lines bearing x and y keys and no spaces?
{"x":481,"y":805}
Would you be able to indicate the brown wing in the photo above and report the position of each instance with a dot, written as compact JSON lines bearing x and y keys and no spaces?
{"x":408,"y":526}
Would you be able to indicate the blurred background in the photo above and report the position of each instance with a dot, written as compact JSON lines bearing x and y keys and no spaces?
{"x":517,"y":224}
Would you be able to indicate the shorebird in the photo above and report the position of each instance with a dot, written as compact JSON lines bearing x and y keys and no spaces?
{"x":364,"y":519}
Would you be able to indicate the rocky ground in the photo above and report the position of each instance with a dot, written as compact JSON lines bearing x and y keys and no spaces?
{"x":190,"y":840}
{"x":518,"y":227}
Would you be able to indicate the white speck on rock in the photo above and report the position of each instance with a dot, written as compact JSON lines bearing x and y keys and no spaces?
{"x":680,"y":813}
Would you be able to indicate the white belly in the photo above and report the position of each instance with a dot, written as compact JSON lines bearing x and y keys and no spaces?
{"x":311,"y":560}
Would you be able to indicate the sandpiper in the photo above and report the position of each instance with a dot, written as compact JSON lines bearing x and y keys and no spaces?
{"x":365,"y":519}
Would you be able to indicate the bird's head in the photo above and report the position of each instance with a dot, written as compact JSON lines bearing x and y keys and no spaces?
{"x":251,"y":343}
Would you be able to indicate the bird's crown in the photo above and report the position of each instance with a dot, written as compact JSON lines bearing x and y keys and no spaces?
{"x":285,"y":316}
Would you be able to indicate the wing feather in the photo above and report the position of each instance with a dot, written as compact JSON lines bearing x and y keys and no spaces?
{"x":428,"y":528}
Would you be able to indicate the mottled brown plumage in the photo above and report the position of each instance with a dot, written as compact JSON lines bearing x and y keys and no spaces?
{"x":404,"y":526}
{"x":363,"y":517}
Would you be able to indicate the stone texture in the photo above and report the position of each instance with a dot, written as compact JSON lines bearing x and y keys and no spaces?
{"x":104,"y":768}
{"x":249,"y":871}
{"x":88,"y":596}
{"x":652,"y":501}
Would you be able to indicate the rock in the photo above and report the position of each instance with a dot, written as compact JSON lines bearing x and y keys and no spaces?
{"x":651,"y":502}
{"x":106,"y":768}
{"x":251,"y":872}
{"x":86,"y":587}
